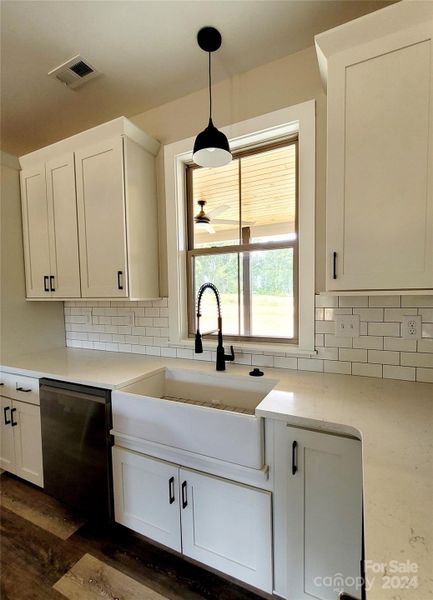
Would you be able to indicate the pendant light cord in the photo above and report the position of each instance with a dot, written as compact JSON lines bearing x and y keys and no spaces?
{"x":210,"y":87}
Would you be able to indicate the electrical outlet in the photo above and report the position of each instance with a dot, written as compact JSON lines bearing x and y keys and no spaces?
{"x":411,"y":327}
{"x":347,"y":326}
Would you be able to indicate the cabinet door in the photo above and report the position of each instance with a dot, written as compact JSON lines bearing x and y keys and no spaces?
{"x":380,"y":164}
{"x":35,"y":232}
{"x":63,"y":227}
{"x":146,"y":497}
{"x":7,"y":456}
{"x":101,"y":220}
{"x":28,"y":441}
{"x":227,"y":526}
{"x":323,"y":509}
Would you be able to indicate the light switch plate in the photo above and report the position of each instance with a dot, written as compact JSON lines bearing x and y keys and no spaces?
{"x":347,"y":326}
{"x":411,"y":327}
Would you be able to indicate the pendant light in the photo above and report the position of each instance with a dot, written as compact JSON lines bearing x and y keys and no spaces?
{"x":211,"y":147}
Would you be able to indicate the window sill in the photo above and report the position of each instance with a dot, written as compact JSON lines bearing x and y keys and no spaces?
{"x":250,"y":348}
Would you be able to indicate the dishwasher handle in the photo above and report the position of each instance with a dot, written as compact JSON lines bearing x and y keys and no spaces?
{"x":70,"y":393}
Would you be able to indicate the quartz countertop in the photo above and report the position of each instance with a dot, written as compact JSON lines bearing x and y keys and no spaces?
{"x":394,"y":420}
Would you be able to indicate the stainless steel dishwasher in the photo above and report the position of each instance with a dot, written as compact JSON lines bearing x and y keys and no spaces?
{"x":76,"y":446}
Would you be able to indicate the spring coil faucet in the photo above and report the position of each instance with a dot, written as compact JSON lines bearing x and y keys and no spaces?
{"x":221,"y":357}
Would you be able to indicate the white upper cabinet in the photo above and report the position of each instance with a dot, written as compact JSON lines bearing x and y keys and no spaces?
{"x":380,"y":149}
{"x":35,"y":231}
{"x":101,"y":213}
{"x":50,"y":232}
{"x":90,"y":215}
{"x":63,"y":229}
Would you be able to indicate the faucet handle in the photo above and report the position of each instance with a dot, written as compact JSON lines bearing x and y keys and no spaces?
{"x":198,"y":347}
{"x":230,"y":357}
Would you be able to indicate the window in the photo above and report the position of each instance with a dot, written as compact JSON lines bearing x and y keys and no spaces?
{"x":285,"y":123}
{"x":246,"y":243}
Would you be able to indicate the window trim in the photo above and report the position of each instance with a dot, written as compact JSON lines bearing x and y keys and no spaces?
{"x":243,"y":247}
{"x":274,"y":126}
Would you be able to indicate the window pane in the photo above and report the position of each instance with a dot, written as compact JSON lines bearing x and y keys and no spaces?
{"x":220,"y":189}
{"x":221,"y":270}
{"x":271,"y":295}
{"x":268,"y":194}
{"x":252,"y":200}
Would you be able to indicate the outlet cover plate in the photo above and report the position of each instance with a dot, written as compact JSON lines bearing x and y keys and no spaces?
{"x":347,"y":326}
{"x":411,"y":327}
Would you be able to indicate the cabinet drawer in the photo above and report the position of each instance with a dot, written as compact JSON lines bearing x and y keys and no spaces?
{"x":20,"y":387}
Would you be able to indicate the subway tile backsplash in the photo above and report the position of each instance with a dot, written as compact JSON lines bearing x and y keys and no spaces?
{"x":379,"y":351}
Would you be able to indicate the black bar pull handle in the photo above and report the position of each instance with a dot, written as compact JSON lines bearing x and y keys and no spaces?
{"x":334,"y":265}
{"x":13,"y":423}
{"x":46,"y":287}
{"x":184,"y":495}
{"x":52,"y":288}
{"x":1,"y":382}
{"x":119,"y":280}
{"x":5,"y":411}
{"x":171,"y":490}
{"x":21,"y":389}
{"x":294,"y":457}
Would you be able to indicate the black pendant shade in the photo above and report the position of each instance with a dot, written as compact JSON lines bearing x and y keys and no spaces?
{"x":211,"y":147}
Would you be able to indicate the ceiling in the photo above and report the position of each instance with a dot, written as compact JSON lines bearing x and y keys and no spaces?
{"x":259,"y":189}
{"x":146,"y":50}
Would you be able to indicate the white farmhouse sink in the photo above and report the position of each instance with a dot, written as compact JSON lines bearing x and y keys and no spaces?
{"x":203,"y":413}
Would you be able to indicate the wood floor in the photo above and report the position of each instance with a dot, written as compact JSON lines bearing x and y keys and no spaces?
{"x":49,"y":554}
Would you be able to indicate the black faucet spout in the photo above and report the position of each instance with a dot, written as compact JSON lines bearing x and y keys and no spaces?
{"x":221,"y":356}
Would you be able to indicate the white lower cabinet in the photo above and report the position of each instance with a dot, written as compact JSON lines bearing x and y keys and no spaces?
{"x":317,"y":514}
{"x":225,"y":525}
{"x":7,"y":455}
{"x":21,"y":440}
{"x":146,"y":496}
{"x":302,"y":541}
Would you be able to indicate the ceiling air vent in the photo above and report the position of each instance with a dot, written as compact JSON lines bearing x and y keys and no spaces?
{"x":74,"y":72}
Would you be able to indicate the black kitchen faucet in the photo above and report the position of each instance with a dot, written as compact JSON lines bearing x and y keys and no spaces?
{"x":221,"y":357}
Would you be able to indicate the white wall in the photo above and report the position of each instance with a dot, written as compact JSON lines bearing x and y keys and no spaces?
{"x":24,"y":326}
{"x":379,"y":351}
